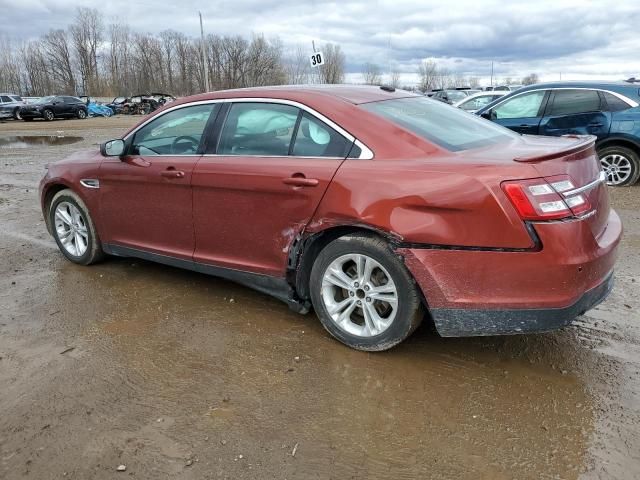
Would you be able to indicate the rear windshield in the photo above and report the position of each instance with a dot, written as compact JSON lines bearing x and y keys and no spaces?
{"x":442,"y":124}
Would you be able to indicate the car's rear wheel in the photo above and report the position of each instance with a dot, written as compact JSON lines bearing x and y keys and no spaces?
{"x":81,"y":114}
{"x":16,"y":114}
{"x":363,"y":294}
{"x":48,"y":115}
{"x":73,"y":228}
{"x":621,"y":165}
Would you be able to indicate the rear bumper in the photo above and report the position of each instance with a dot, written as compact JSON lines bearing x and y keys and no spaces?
{"x":479,"y":292}
{"x":470,"y":323}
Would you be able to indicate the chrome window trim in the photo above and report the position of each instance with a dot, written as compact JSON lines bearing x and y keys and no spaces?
{"x":365,"y":152}
{"x":601,"y":178}
{"x":627,"y":100}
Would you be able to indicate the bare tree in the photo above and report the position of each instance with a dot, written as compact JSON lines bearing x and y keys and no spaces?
{"x":87,"y":31}
{"x":530,"y":79}
{"x":297,"y":66}
{"x":427,"y":73}
{"x":334,"y":63}
{"x":394,"y":79}
{"x":10,"y":67}
{"x":371,"y":74}
{"x":473,"y":82}
{"x":58,"y":53}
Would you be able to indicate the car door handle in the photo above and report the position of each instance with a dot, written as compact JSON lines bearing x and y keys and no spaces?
{"x":169,"y":173}
{"x":301,"y":181}
{"x":595,"y":124}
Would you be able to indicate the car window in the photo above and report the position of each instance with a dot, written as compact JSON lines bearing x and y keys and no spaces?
{"x":455,"y":95}
{"x":570,"y":102}
{"x":450,"y":128}
{"x":16,"y":98}
{"x":614,"y":104}
{"x":5,"y":99}
{"x":178,"y":132}
{"x":526,"y":105}
{"x":316,"y":139}
{"x":262,"y":129}
{"x":476,"y":103}
{"x":70,"y":100}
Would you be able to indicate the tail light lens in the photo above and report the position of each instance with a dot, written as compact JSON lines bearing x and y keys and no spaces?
{"x":545,"y":198}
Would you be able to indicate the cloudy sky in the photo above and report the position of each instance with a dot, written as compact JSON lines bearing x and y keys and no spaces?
{"x":572,"y":39}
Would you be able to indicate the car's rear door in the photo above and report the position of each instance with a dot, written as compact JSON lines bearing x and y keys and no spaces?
{"x":576,"y":111}
{"x":145,"y":198}
{"x":262,"y":184}
{"x":522,"y":112}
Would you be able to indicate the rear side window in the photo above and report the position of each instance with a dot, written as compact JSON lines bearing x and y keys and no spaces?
{"x":16,"y":98}
{"x":262,"y":129}
{"x":448,"y":127}
{"x":613,"y":103}
{"x":570,"y":102}
{"x":316,"y":139}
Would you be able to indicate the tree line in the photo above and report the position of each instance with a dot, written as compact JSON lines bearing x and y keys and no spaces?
{"x":95,"y":59}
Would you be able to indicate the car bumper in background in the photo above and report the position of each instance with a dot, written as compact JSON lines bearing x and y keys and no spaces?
{"x":480,"y":292}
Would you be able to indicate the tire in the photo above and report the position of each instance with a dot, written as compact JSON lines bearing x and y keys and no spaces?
{"x":386,"y":272}
{"x":48,"y":115}
{"x":620,"y":164}
{"x":90,"y":250}
{"x":16,"y":114}
{"x":81,"y":113}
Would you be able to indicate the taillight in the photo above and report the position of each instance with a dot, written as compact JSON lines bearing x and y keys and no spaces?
{"x":545,"y":198}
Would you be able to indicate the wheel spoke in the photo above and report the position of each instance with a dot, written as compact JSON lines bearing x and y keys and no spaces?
{"x":372,"y":320}
{"x":389,"y":298}
{"x":338,"y":278}
{"x":64,"y":217}
{"x":340,"y":306}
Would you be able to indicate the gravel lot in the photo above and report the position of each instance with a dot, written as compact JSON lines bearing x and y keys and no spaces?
{"x":179,"y":375}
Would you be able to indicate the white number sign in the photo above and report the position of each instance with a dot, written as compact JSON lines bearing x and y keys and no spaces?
{"x":317,"y":59}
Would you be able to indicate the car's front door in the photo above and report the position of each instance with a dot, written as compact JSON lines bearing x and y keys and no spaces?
{"x":576,"y":111}
{"x":145,"y":198}
{"x":251,"y":198}
{"x":521,"y":113}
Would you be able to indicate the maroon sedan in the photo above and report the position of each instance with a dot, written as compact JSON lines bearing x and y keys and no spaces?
{"x":373,"y":206}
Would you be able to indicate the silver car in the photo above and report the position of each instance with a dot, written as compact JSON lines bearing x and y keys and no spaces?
{"x":10,"y":105}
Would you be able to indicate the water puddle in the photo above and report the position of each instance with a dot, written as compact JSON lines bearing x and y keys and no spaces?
{"x":26,"y":141}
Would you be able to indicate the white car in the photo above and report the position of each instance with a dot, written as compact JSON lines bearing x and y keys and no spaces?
{"x":475,"y":102}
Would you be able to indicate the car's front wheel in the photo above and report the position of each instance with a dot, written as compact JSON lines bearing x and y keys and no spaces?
{"x":363,"y":294}
{"x":73,"y":228}
{"x":621,"y":165}
{"x":48,"y":115}
{"x":82,"y":114}
{"x":16,"y":114}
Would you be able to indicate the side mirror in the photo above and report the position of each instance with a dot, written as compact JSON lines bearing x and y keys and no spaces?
{"x":489,"y":115}
{"x":112,"y":148}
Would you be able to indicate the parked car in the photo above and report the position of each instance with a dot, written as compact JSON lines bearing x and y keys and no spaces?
{"x":507,"y":88}
{"x":608,"y":110}
{"x":10,"y":105}
{"x":476,"y":101}
{"x":54,"y":106}
{"x":372,"y":205}
{"x":452,"y":95}
{"x":117,"y":104}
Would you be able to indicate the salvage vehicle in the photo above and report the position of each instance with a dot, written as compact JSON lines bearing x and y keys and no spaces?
{"x":375,"y":207}
{"x":608,"y":110}
{"x":452,"y":95}
{"x":52,"y":107}
{"x":476,"y":101}
{"x":10,"y":105}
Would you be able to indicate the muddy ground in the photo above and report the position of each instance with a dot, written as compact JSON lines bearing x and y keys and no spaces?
{"x":179,"y":375}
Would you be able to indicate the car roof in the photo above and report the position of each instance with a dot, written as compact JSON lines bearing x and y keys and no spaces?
{"x":355,"y":94}
{"x":582,"y":84}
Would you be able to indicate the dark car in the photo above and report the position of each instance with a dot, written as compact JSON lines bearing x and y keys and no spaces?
{"x":453,"y":95}
{"x":52,"y":107}
{"x":10,"y":105}
{"x":373,"y":206}
{"x":608,"y":110}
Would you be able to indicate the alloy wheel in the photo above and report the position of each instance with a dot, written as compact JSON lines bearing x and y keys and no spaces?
{"x":617,"y":168}
{"x":71,"y":229}
{"x":359,"y":295}
{"x":48,"y":115}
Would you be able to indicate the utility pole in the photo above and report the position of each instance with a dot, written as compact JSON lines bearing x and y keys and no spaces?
{"x":207,"y":87}
{"x":492,"y":74}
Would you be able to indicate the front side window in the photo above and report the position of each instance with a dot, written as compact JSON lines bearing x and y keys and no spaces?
{"x":526,"y":105}
{"x":316,"y":139}
{"x":178,"y":132}
{"x":4,"y":99}
{"x":260,"y":129}
{"x":16,"y":98}
{"x":571,"y":102}
{"x":450,"y":128}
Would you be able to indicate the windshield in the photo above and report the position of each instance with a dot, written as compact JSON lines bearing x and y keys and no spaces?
{"x":455,"y":95}
{"x":44,"y":100}
{"x":16,"y":98}
{"x":446,"y":126}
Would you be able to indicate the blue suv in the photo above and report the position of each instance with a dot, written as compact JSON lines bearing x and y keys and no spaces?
{"x":608,"y":110}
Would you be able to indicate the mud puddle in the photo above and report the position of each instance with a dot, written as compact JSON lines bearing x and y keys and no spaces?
{"x":26,"y":141}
